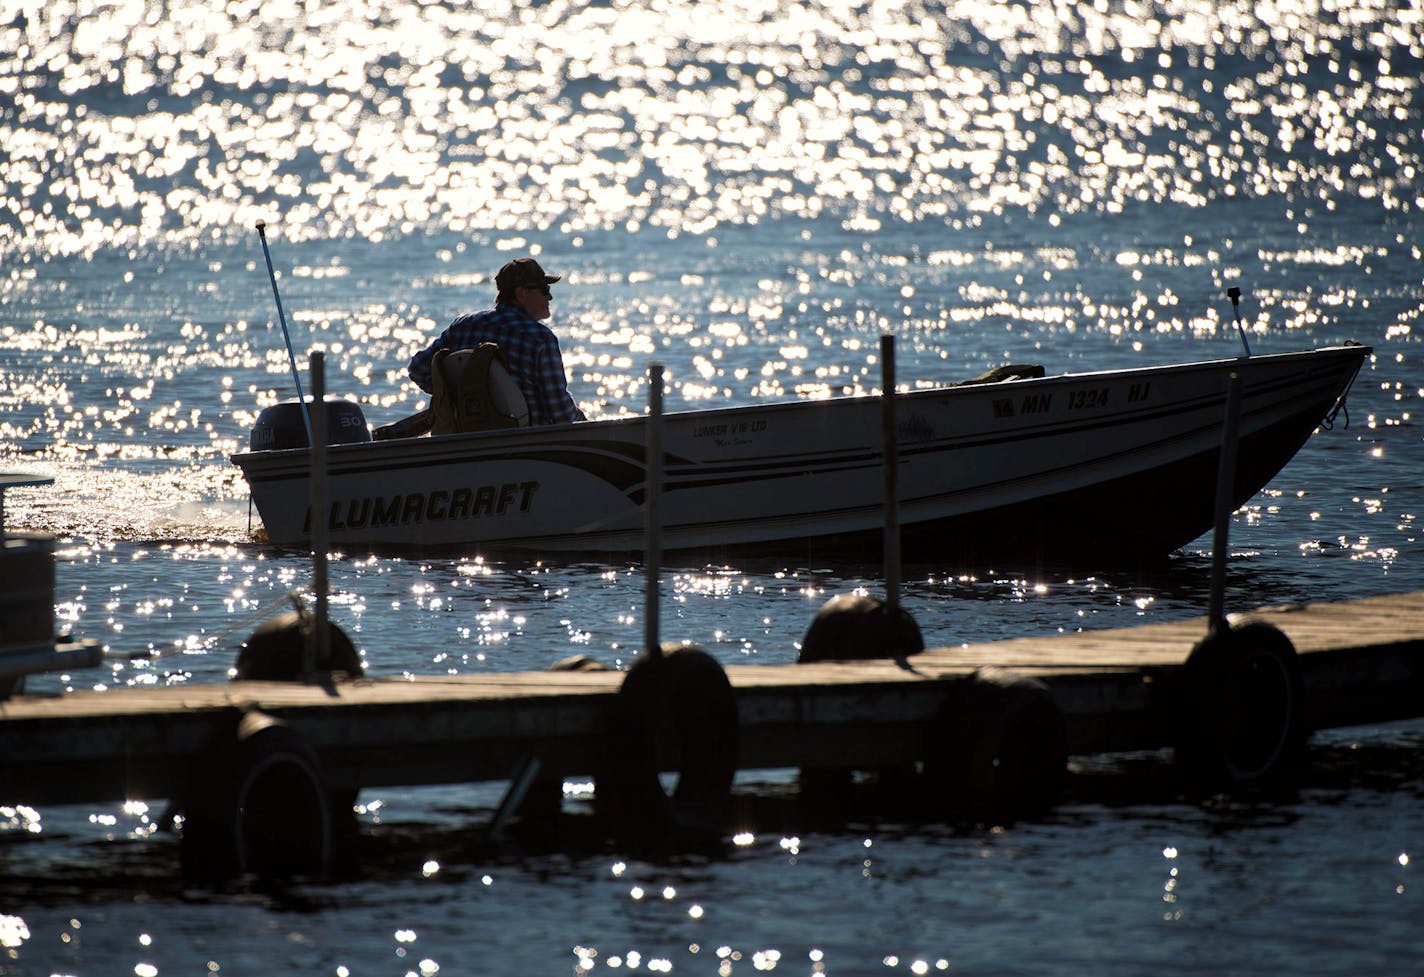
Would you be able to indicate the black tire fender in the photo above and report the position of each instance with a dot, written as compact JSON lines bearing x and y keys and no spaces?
{"x":1239,"y":703}
{"x":997,"y":751}
{"x":856,"y":626}
{"x":274,"y":651}
{"x":674,"y":711}
{"x":256,"y":802}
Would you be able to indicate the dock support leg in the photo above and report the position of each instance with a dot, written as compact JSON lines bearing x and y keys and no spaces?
{"x":515,"y":795}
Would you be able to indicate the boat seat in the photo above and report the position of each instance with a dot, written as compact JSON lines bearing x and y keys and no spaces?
{"x":474,"y":391}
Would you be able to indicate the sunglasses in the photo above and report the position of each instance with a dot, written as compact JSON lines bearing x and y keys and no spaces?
{"x":543,"y":289}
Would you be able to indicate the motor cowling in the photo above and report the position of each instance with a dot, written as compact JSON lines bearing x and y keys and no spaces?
{"x":281,"y":426}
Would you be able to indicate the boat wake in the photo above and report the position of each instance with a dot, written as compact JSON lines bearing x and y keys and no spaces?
{"x":188,"y":504}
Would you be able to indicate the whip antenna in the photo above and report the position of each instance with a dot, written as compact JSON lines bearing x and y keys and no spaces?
{"x":1235,"y":295}
{"x":286,"y":336}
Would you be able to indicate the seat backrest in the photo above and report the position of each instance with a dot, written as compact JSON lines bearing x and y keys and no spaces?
{"x":473,"y":391}
{"x":999,"y":374}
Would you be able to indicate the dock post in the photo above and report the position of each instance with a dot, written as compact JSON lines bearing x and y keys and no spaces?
{"x":653,"y":501}
{"x":1225,"y":477}
{"x":850,"y":627}
{"x":318,"y":648}
{"x":892,"y":500}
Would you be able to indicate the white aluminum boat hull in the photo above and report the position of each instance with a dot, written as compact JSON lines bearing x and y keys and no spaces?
{"x":1118,"y":462}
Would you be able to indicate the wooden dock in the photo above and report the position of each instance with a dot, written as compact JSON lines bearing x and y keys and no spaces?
{"x":1359,"y":662}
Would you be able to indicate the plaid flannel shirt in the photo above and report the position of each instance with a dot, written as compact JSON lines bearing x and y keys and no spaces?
{"x":530,"y":348}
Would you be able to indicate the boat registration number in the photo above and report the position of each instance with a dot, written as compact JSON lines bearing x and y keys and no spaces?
{"x":1088,"y":399}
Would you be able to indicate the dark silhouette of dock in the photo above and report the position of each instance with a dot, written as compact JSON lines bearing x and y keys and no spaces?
{"x":1358,"y":662}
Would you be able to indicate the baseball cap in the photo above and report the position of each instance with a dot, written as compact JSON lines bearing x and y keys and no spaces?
{"x":522,"y":273}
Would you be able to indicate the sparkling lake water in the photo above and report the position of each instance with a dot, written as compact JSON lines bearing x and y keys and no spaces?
{"x":750,"y":193}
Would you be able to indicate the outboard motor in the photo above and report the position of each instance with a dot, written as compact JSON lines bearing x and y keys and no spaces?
{"x":280,"y":426}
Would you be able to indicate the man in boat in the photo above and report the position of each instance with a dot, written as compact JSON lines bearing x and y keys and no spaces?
{"x":530,"y":348}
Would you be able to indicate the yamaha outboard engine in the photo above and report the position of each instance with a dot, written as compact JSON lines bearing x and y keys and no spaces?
{"x":281,"y":426}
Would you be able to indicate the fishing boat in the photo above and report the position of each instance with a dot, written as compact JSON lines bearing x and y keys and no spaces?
{"x":1061,"y":468}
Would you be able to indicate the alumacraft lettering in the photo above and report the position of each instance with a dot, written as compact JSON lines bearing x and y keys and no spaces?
{"x":438,"y":506}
